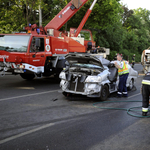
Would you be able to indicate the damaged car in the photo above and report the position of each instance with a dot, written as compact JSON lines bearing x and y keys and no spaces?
{"x":92,"y":76}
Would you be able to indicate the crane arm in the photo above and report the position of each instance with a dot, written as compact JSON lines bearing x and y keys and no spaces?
{"x":65,"y":14}
{"x":85,"y":18}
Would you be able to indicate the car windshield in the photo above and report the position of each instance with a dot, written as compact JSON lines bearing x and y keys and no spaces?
{"x":14,"y":43}
{"x":86,"y":66}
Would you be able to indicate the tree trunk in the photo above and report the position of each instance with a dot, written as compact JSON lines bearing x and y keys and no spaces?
{"x":27,"y":13}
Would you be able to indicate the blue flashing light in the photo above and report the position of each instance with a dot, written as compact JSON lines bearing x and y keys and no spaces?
{"x":38,"y":30}
{"x":29,"y":24}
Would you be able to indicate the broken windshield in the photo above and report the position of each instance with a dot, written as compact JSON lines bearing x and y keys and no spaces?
{"x":91,"y":66}
{"x":14,"y":43}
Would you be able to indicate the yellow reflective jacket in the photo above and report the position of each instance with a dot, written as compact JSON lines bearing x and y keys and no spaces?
{"x":146,"y":80}
{"x":124,"y":70}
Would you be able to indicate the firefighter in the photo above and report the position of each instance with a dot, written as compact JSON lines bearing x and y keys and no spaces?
{"x":123,"y":73}
{"x":133,"y":61}
{"x":145,"y":94}
{"x":96,"y":50}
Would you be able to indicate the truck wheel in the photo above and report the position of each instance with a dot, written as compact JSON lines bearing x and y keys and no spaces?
{"x":56,"y":76}
{"x":104,"y":92}
{"x":27,"y":76}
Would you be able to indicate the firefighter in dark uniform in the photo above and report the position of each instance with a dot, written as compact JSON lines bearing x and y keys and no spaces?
{"x":145,"y":94}
{"x":133,"y":61}
{"x":123,"y":73}
{"x":96,"y":50}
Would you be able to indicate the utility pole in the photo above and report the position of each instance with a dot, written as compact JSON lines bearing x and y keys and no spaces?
{"x":40,"y":15}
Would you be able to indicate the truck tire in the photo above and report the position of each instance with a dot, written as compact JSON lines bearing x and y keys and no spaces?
{"x":27,"y":76}
{"x":104,"y":93}
{"x":60,"y":65}
{"x":56,"y":77}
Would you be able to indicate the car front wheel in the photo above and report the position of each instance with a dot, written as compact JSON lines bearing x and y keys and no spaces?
{"x":104,"y":92}
{"x":65,"y":94}
{"x":131,"y":84}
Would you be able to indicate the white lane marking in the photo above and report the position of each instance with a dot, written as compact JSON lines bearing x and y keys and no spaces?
{"x":134,"y":95}
{"x":25,"y":88}
{"x":4,"y":99}
{"x":26,"y":133}
{"x":140,"y":74}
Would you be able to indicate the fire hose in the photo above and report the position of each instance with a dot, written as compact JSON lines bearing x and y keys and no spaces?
{"x":129,"y":110}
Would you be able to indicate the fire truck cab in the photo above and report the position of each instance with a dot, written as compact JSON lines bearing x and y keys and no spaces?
{"x":32,"y":55}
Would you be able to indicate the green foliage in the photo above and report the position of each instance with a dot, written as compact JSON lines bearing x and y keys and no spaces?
{"x":15,"y":14}
{"x":129,"y":37}
{"x":50,"y":8}
{"x":103,"y":14}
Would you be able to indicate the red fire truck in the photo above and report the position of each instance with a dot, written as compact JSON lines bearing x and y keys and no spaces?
{"x":40,"y":51}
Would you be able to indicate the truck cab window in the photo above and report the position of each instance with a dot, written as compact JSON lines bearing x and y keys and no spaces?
{"x":85,"y":34}
{"x":34,"y":47}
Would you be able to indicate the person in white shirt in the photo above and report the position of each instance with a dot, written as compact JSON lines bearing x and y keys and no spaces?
{"x":123,"y":73}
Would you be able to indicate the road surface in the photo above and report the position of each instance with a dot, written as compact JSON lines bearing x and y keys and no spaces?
{"x":34,"y":115}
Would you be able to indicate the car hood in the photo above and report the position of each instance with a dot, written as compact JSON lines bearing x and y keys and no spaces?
{"x":83,"y":58}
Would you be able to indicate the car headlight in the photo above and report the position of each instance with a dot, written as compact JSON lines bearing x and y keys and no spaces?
{"x":93,"y":79}
{"x":62,"y":75}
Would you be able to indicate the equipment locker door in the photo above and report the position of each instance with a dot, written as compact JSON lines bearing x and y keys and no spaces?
{"x":37,"y":54}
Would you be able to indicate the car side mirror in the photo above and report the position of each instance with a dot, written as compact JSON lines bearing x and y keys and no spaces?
{"x":111,"y":65}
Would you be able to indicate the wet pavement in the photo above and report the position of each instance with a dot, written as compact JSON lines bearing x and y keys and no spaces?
{"x":34,"y":115}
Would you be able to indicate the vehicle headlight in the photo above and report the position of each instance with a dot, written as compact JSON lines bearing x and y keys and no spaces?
{"x":62,"y":75}
{"x":21,"y":66}
{"x":93,"y":79}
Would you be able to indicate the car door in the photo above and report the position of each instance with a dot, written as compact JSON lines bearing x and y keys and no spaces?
{"x":37,"y":52}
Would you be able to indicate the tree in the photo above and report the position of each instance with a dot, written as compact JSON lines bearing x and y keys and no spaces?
{"x":126,"y":15}
{"x":15,"y":14}
{"x":139,"y":24}
{"x":50,"y":8}
{"x":144,"y":16}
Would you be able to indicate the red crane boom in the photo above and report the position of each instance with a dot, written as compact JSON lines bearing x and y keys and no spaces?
{"x":65,"y":14}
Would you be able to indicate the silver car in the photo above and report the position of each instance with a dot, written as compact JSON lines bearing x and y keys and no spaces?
{"x":92,"y":76}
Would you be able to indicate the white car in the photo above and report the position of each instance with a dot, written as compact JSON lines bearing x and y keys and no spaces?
{"x":92,"y":76}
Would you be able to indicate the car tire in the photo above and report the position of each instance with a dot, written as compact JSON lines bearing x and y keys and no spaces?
{"x":27,"y":76}
{"x":56,"y":76}
{"x":131,"y":84}
{"x":65,"y":94}
{"x":104,"y":93}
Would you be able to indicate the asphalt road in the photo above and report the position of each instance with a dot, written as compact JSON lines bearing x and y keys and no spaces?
{"x":34,"y":115}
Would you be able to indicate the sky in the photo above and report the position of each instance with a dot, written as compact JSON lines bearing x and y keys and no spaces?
{"x":134,"y":4}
